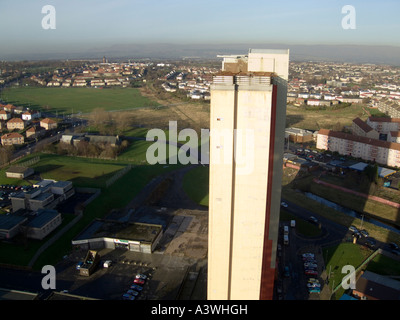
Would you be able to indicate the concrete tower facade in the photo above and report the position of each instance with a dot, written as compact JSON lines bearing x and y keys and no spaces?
{"x":247,"y":128}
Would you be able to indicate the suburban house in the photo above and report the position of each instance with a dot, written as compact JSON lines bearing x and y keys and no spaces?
{"x":4,"y":115}
{"x":35,"y":132}
{"x":48,"y":124}
{"x":12,"y":138}
{"x":15,"y":123}
{"x":10,"y":108}
{"x":29,"y":115}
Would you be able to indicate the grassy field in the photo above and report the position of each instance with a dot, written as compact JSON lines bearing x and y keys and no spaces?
{"x":326,"y":119}
{"x":75,"y":100}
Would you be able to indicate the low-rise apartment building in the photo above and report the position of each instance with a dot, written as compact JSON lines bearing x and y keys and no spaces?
{"x":382,"y":152}
{"x":384,"y":125}
{"x":362,"y":129}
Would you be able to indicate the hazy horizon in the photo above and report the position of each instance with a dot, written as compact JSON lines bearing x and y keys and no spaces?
{"x":144,"y":28}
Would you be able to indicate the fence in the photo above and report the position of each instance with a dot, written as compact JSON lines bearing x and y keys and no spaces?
{"x":118,"y":175}
{"x":30,"y":162}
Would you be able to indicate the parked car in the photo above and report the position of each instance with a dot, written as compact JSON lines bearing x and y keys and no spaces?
{"x":313,"y":280}
{"x":308,"y":255}
{"x":136,"y":287}
{"x":314,"y":290}
{"x":127,"y":296}
{"x":313,"y":219}
{"x":310,"y":265}
{"x":138,"y":281}
{"x":79,"y":265}
{"x":393,"y":246}
{"x":353,"y":229}
{"x":364,"y":233}
{"x":141,"y":276}
{"x":313,"y":285}
{"x":286,"y":272}
{"x":396,"y":252}
{"x":357,"y":234}
{"x":132,"y":292}
{"x":311,"y":272}
{"x":284,"y":204}
{"x":370,"y":242}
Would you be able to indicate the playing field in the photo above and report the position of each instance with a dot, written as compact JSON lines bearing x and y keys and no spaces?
{"x":75,"y":100}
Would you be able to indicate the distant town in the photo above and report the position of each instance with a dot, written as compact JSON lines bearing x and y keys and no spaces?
{"x":76,"y":191}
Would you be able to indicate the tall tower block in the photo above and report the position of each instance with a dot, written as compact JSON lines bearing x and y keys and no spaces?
{"x":247,"y":129}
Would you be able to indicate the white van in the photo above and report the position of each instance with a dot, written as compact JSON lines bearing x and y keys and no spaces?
{"x":292,"y":223}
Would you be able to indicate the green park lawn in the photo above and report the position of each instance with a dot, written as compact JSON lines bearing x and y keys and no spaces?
{"x":75,"y":100}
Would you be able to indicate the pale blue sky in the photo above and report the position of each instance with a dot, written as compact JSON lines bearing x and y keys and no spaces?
{"x":91,"y":23}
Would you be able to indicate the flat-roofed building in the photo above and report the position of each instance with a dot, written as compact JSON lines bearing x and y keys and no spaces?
{"x":299,"y":135}
{"x":19,"y":172}
{"x":42,"y":223}
{"x":10,"y":225}
{"x":132,"y":236}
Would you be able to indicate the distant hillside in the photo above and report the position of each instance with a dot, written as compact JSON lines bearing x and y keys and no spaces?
{"x":341,"y":53}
